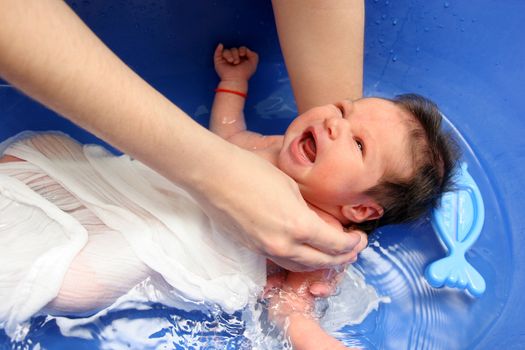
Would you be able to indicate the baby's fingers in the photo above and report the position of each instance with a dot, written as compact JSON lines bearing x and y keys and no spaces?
{"x":227,"y":55}
{"x":235,"y":54}
{"x":217,"y":55}
{"x":252,"y":55}
{"x":242,"y":51}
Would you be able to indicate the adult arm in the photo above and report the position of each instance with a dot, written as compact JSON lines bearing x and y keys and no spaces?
{"x":50,"y":54}
{"x":322,"y":44}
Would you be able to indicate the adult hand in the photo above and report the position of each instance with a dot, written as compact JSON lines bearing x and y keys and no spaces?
{"x":262,"y":208}
{"x":48,"y":52}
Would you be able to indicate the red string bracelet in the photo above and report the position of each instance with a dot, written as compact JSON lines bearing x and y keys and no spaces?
{"x":232,"y":92}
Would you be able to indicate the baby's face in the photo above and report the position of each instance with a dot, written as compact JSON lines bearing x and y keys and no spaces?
{"x":337,"y":152}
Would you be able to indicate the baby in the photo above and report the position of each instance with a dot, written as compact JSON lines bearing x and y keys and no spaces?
{"x":363,"y":163}
{"x":80,"y":227}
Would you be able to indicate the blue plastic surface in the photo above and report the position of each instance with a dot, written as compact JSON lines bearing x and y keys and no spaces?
{"x":467,"y":56}
{"x":458,"y":222}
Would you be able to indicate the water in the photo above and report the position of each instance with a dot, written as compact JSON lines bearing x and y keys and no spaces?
{"x":394,"y":309}
{"x":134,"y":323}
{"x":417,"y":316}
{"x":402,"y":311}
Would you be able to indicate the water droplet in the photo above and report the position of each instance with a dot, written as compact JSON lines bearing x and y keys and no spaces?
{"x":427,"y":29}
{"x":394,"y":58}
{"x":446,"y":5}
{"x":394,"y":22}
{"x":383,"y":16}
{"x":377,"y":22}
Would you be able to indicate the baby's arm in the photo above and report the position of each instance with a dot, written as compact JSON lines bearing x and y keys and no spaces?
{"x":234,"y":66}
{"x":292,"y":299}
{"x":292,"y":304}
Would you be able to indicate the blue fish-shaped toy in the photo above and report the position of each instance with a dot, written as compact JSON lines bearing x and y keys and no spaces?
{"x":458,"y":222}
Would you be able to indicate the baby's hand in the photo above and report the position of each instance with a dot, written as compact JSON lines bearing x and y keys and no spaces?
{"x":320,"y":283}
{"x":235,"y":63}
{"x":324,"y":283}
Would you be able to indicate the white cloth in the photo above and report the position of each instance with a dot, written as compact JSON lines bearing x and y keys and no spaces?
{"x":79,"y":227}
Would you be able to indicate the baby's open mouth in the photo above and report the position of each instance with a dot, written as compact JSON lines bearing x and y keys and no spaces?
{"x":308,"y":146}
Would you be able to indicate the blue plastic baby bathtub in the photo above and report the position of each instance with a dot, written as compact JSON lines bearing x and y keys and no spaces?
{"x":467,"y":56}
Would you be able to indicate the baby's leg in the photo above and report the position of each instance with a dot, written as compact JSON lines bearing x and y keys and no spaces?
{"x":104,"y":270}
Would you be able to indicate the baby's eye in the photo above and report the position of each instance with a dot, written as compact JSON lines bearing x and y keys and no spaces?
{"x":359,"y":145}
{"x":341,"y":108}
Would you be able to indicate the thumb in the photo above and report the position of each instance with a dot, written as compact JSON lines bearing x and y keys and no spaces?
{"x":218,"y":51}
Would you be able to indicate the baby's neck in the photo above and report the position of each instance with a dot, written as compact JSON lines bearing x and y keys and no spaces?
{"x":271,"y":154}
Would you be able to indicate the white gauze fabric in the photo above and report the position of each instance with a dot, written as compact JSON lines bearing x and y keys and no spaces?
{"x":80,"y":226}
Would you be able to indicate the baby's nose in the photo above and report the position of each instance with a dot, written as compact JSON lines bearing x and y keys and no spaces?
{"x":332,"y":127}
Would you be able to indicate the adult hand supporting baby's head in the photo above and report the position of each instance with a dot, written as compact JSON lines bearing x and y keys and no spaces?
{"x":261,"y":207}
{"x":313,"y":247}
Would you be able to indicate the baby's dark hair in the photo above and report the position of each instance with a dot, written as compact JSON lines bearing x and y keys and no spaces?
{"x":434,"y":157}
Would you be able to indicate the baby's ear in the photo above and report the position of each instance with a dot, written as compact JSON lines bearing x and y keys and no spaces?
{"x":362,"y":212}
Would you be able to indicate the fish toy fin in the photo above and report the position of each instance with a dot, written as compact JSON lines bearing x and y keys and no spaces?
{"x":454,"y":271}
{"x":458,"y":222}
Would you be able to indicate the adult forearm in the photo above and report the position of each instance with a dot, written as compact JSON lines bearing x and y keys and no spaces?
{"x":48,"y":52}
{"x":322,"y":43}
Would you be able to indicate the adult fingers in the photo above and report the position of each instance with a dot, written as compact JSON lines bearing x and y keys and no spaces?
{"x":331,"y":240}
{"x":302,"y":257}
{"x":363,"y":243}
